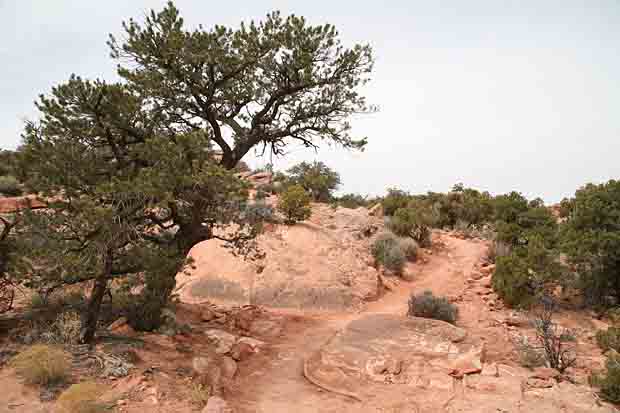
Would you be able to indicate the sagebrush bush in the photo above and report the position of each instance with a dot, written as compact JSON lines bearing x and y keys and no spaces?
{"x":409,"y":248}
{"x":529,"y":356}
{"x":428,"y":306}
{"x":609,"y":339}
{"x":81,"y":398}
{"x":42,"y":364}
{"x":9,"y":186}
{"x":387,"y":251}
{"x":294,"y":203}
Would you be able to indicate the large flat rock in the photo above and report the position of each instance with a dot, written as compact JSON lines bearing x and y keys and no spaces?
{"x":391,"y":363}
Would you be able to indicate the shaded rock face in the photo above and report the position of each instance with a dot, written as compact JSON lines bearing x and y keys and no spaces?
{"x":321,"y":264}
{"x":401,"y":364}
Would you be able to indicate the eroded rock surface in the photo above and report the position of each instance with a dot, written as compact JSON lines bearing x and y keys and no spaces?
{"x":392,"y":363}
{"x":318,"y":264}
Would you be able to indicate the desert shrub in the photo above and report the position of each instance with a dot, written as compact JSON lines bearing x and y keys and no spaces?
{"x":294,"y":203}
{"x":555,"y":341}
{"x":42,"y":364}
{"x":9,"y":186}
{"x":386,"y":250}
{"x":529,"y":356}
{"x":508,"y":207}
{"x":609,"y":381}
{"x":412,"y":222}
{"x":199,"y":394}
{"x":259,"y":213}
{"x":428,"y":306}
{"x":513,"y":282}
{"x":609,"y":339}
{"x":591,"y":240}
{"x":81,"y":398}
{"x":395,"y":200}
{"x":316,"y":178}
{"x":409,"y":248}
{"x":351,"y":201}
{"x":521,"y":277}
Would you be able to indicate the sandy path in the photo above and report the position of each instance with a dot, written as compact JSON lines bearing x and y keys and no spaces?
{"x":277,"y":384}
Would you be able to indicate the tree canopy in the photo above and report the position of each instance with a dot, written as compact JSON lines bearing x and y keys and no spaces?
{"x":264,"y":84}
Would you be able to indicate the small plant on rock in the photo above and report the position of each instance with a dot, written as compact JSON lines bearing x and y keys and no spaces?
{"x":426,"y":305}
{"x":387,"y":252}
{"x":42,"y":364}
{"x":294,"y":203}
{"x":81,"y":398}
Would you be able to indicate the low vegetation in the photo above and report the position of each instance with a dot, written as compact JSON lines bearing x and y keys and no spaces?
{"x":427,"y":305}
{"x":42,"y":364}
{"x":609,"y":339}
{"x":82,"y":398}
{"x":9,"y":186}
{"x":608,"y":381}
{"x":409,"y":248}
{"x":294,"y":204}
{"x":387,"y":252}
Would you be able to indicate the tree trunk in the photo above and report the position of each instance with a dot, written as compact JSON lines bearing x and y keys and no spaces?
{"x":89,"y":322}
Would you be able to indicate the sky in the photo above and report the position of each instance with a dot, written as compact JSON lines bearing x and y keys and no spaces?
{"x":500,"y":95}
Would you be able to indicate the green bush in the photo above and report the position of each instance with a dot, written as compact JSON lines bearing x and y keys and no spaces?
{"x":387,"y":251}
{"x":609,"y":381}
{"x":609,"y":339}
{"x":412,"y":222}
{"x":591,"y":241}
{"x":9,"y":186}
{"x":294,"y":203}
{"x":428,"y":306}
{"x":316,"y":178}
{"x":513,"y":282}
{"x":42,"y":364}
{"x":351,"y":201}
{"x":409,"y":248}
{"x":394,"y":200}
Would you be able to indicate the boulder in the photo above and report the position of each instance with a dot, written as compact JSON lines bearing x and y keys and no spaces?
{"x":222,"y":340}
{"x":229,"y":367}
{"x":376,"y":210}
{"x":216,"y":404}
{"x":241,"y":351}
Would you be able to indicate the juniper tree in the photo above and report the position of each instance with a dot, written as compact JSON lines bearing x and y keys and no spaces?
{"x":128,"y":198}
{"x":265,"y":84}
{"x":131,"y":168}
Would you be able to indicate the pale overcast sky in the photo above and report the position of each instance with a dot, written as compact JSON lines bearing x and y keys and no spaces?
{"x":500,"y":95}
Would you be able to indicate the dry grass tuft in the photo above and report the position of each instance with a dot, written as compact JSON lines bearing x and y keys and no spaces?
{"x":81,"y":398}
{"x":42,"y":364}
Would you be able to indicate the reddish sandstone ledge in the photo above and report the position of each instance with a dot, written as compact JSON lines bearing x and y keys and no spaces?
{"x":14,"y":204}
